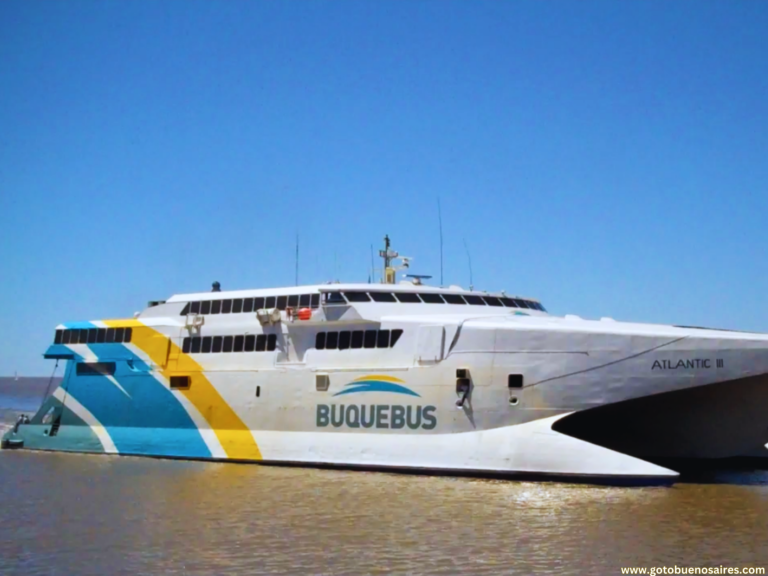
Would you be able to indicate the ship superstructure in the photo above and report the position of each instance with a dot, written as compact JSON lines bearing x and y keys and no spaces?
{"x":402,"y":376}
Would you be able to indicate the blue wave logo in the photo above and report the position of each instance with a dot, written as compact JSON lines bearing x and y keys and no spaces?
{"x":377,"y":383}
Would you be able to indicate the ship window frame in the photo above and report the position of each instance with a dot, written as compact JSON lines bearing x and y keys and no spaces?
{"x":127,"y":335}
{"x":101,"y":336}
{"x":63,"y":338}
{"x":185,"y":310}
{"x":186,"y":345}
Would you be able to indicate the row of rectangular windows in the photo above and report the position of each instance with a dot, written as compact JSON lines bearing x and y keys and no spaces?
{"x":240,"y":343}
{"x":93,"y":336}
{"x":246,"y":305}
{"x":357,"y":339}
{"x":431,"y":298}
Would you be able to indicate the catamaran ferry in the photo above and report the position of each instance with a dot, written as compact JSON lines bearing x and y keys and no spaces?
{"x":402,"y":376}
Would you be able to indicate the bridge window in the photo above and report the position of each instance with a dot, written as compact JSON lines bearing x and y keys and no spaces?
{"x":408,"y":297}
{"x":357,"y":296}
{"x":454,"y":299}
{"x":492,"y":301}
{"x":432,"y":298}
{"x":315,"y":301}
{"x":474,"y":300}
{"x":333,"y":298}
{"x":383,"y":297}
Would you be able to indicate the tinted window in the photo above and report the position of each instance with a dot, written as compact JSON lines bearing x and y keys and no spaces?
{"x":95,"y":368}
{"x":218,"y":342}
{"x":128,"y":334}
{"x":92,"y":333}
{"x":248,"y":305}
{"x":293,"y":300}
{"x":344,"y":339}
{"x":315,"y":301}
{"x":334,"y":298}
{"x":304,"y":300}
{"x":282,"y":302}
{"x":119,"y":333}
{"x":261,"y":342}
{"x":541,"y":307}
{"x":226,"y":306}
{"x":508,"y":302}
{"x":454,"y":298}
{"x":332,"y":341}
{"x":180,"y":382}
{"x":58,"y":337}
{"x":475,"y":300}
{"x":357,"y":297}
{"x":205,"y":307}
{"x":492,"y":301}
{"x":258,"y":303}
{"x":239,"y":344}
{"x":395,"y":337}
{"x":269,"y":302}
{"x":357,"y":339}
{"x":194,"y":307}
{"x":369,"y":340}
{"x":523,"y":304}
{"x":432,"y":298}
{"x":187,"y":345}
{"x":196,"y":342}
{"x":407,"y":297}
{"x":382,"y":340}
{"x":237,"y":306}
{"x":207,"y":345}
{"x":320,"y":341}
{"x":271,"y":342}
{"x":216,"y":307}
{"x":250,"y":343}
{"x":65,"y":334}
{"x":110,"y":335}
{"x":227,"y":344}
{"x":383,"y":297}
{"x":185,"y":310}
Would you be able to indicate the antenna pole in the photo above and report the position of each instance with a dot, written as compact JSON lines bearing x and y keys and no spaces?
{"x":297,"y":259}
{"x":440,"y":220}
{"x":372,"y":265}
{"x":469,"y":260}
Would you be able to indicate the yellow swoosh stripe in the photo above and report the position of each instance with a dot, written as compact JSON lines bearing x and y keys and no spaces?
{"x":381,"y":377}
{"x":235,"y":437}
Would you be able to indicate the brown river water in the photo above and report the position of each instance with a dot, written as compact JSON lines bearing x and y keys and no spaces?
{"x":72,"y":514}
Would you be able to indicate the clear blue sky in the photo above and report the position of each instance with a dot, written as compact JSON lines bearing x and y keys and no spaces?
{"x":610,"y":158}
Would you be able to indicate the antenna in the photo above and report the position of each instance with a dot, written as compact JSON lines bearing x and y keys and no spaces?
{"x":297,"y":259}
{"x":372,"y":266}
{"x":469,"y":260}
{"x":440,"y":220}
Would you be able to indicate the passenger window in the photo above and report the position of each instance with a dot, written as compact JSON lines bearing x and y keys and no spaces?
{"x":205,"y":307}
{"x":315,"y":301}
{"x":383,"y":297}
{"x":218,"y":343}
{"x":196,"y":342}
{"x":186,"y":345}
{"x":474,"y":300}
{"x":357,"y":297}
{"x":304,"y":300}
{"x":357,"y":339}
{"x":320,"y":341}
{"x":270,"y":302}
{"x":258,"y":303}
{"x":185,"y":310}
{"x":216,"y":307}
{"x":293,"y":301}
{"x":492,"y":301}
{"x":250,"y":343}
{"x":369,"y":340}
{"x":395,"y":337}
{"x":127,"y":335}
{"x":282,"y":302}
{"x":194,"y":307}
{"x":180,"y":382}
{"x":207,"y":345}
{"x":508,"y":302}
{"x":454,"y":299}
{"x":382,"y":339}
{"x":237,"y":306}
{"x":101,"y":335}
{"x":247,"y":305}
{"x":344,"y":339}
{"x":62,"y":337}
{"x":332,"y":341}
{"x":239,"y":343}
{"x":261,"y":342}
{"x":227,"y":344}
{"x":110,"y":335}
{"x":408,"y":297}
{"x":226,"y":306}
{"x":271,"y":342}
{"x":432,"y":298}
{"x":119,"y":332}
{"x":92,"y":334}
